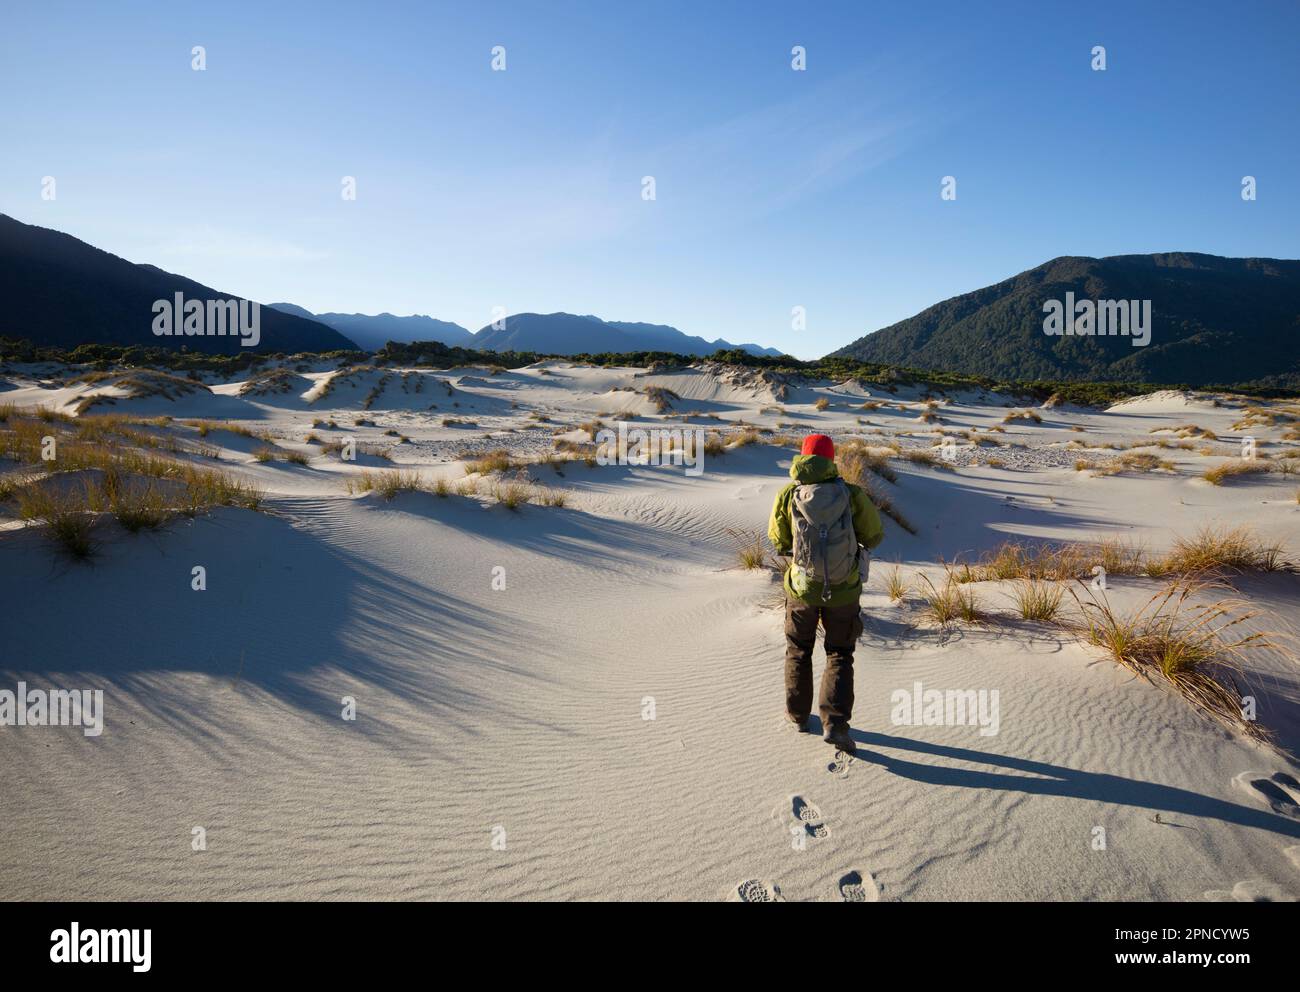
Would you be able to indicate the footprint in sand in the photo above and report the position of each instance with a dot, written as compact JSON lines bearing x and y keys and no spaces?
{"x":840,"y":764}
{"x":1279,"y":791}
{"x":1252,"y":891}
{"x":855,"y":888}
{"x":810,"y":816}
{"x":758,"y":891}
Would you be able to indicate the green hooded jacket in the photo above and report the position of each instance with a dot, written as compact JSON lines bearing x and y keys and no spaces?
{"x":807,"y":469}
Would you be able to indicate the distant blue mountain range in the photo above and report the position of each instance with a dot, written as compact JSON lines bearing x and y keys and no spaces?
{"x":547,"y":333}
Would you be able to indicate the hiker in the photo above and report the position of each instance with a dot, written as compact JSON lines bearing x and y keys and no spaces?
{"x":828,"y":527}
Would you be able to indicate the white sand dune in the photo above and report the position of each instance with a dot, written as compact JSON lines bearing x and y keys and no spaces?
{"x":500,"y":747}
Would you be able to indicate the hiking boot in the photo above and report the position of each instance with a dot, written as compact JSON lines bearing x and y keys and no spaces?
{"x":800,"y":722}
{"x":837,"y":735}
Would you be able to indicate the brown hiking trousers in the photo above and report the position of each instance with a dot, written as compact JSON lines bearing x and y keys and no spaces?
{"x":843,"y":626}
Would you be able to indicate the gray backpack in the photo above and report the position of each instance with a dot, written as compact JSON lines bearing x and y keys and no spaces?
{"x":825,"y":545}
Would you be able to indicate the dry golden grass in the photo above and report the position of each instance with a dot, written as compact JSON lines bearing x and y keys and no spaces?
{"x":1037,"y":600}
{"x":1053,"y":562}
{"x":1233,"y":468}
{"x":1135,"y":461}
{"x":854,"y":459}
{"x":1031,"y":416}
{"x":895,"y":587}
{"x":954,"y":601}
{"x":1220,"y":550}
{"x":661,"y":397}
{"x":750,"y":548}
{"x":489,"y":462}
{"x":69,"y":522}
{"x":513,"y":493}
{"x":855,"y":463}
{"x":386,"y":483}
{"x":1196,"y":647}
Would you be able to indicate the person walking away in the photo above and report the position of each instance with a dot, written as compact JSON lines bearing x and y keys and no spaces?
{"x":827,"y":527}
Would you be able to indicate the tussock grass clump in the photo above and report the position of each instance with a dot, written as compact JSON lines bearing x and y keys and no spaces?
{"x":1028,"y":415}
{"x":493,"y":461}
{"x":1036,"y":600}
{"x":69,"y":522}
{"x":922,"y":456}
{"x":1220,"y":550}
{"x":205,"y":427}
{"x":269,"y":382}
{"x":822,"y":403}
{"x":577,"y":452}
{"x":550,"y":496}
{"x":1136,"y":461}
{"x":751,"y":549}
{"x":138,"y":501}
{"x":854,"y":459}
{"x":1196,"y":647}
{"x":953,"y":602}
{"x":855,"y":462}
{"x":513,"y":493}
{"x":1232,"y":468}
{"x":661,"y":397}
{"x":386,"y":483}
{"x":895,"y":587}
{"x":138,"y":384}
{"x":1053,"y":562}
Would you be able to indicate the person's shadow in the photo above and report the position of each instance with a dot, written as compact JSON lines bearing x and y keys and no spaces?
{"x":1040,"y":778}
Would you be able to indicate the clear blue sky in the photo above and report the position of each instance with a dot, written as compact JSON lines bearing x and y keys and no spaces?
{"x":775,"y":188}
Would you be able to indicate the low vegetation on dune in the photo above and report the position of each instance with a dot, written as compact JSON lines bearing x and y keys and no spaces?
{"x":1037,"y":600}
{"x":1212,"y":550}
{"x":1135,"y":461}
{"x":661,"y":397}
{"x":137,"y":384}
{"x":510,"y":490}
{"x":270,"y":382}
{"x":751,"y":549}
{"x":858,"y":464}
{"x":1220,"y":551}
{"x":1032,"y":416}
{"x":1196,"y":647}
{"x":71,"y":475}
{"x":1220,"y":473}
{"x":1185,"y":635}
{"x":950,"y":602}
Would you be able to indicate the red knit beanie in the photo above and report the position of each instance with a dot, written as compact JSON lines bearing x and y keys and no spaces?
{"x":819,"y":444}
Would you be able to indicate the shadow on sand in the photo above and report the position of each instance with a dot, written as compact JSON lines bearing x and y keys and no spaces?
{"x":1056,"y":780}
